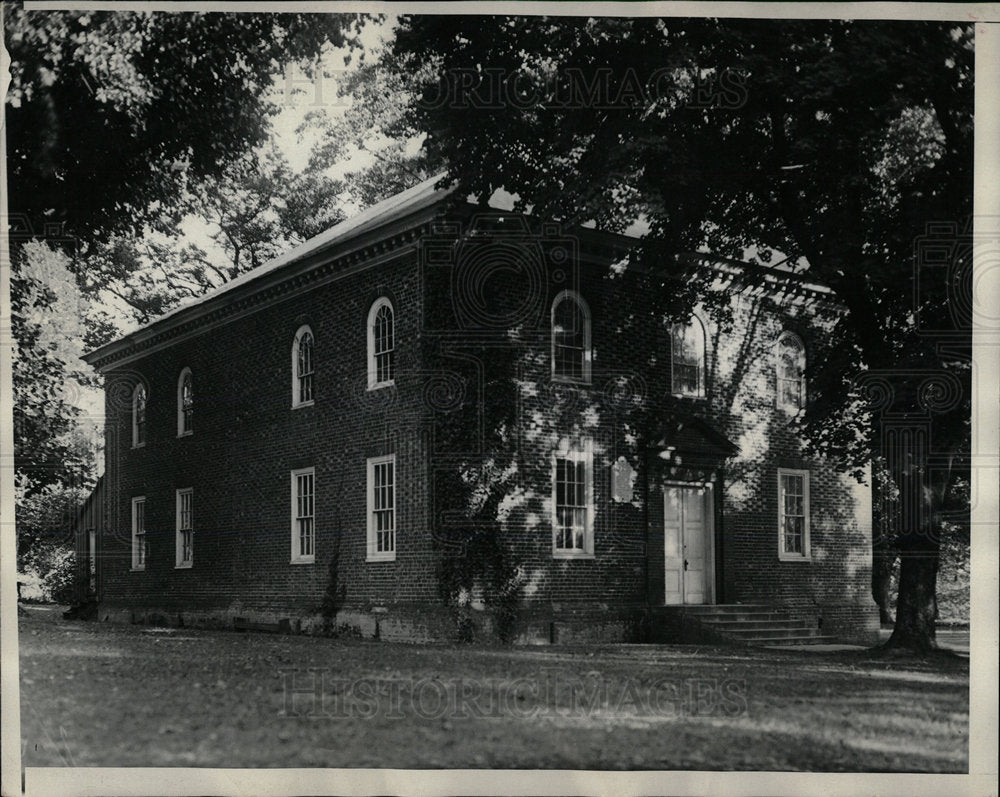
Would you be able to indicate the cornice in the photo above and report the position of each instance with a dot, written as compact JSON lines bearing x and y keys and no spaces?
{"x":292,"y":280}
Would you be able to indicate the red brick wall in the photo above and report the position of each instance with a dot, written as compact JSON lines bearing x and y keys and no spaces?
{"x":630,"y":338}
{"x":247,"y":439}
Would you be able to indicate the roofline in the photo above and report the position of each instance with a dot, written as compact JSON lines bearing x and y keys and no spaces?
{"x":229,"y":294}
{"x":312,"y":255}
{"x":771,"y":274}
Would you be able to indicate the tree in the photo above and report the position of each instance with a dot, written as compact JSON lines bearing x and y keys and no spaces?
{"x":255,"y":210}
{"x":836,"y":144}
{"x":111,"y":114}
{"x":372,"y":129}
{"x":48,"y":374}
{"x":115,"y":120}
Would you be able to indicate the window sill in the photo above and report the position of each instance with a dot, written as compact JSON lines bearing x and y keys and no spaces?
{"x":788,"y":557}
{"x":302,"y":404}
{"x":188,"y":433}
{"x":303,"y":560}
{"x":137,"y":570}
{"x":380,"y":385}
{"x":138,"y":445}
{"x":572,"y":555}
{"x":184,"y":566}
{"x":568,"y":380}
{"x":381,"y":557}
{"x":689,"y":396}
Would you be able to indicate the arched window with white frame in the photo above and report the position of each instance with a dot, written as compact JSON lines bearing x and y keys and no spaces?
{"x":139,"y":416}
{"x":302,"y":368}
{"x":185,"y":403}
{"x":687,"y":358}
{"x":381,"y":344}
{"x":571,"y":354}
{"x":790,"y":368}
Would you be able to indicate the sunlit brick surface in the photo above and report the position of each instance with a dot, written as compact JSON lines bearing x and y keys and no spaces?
{"x":247,"y":439}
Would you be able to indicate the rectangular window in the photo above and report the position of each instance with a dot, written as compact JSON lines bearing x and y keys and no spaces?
{"x":92,"y":557}
{"x":573,"y":501}
{"x":303,"y":516}
{"x":185,"y":528}
{"x":383,"y":363}
{"x":793,"y":514}
{"x":382,"y":508}
{"x":790,"y":393}
{"x":305,"y":371}
{"x":139,"y":533}
{"x":139,"y":417}
{"x":687,"y":378}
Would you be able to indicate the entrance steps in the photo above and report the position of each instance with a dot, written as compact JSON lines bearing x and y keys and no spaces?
{"x":754,"y":624}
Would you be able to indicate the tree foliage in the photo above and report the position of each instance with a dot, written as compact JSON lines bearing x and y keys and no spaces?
{"x":257,"y":209}
{"x":50,"y":447}
{"x":839,"y":147}
{"x":372,"y":131}
{"x":119,"y":124}
{"x":111,"y":114}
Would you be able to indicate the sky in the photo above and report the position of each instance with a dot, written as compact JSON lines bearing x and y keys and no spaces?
{"x":298,"y":96}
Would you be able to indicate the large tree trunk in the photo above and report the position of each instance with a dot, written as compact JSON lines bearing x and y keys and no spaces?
{"x":916,"y":605}
{"x":884,"y":556}
{"x":883,"y":561}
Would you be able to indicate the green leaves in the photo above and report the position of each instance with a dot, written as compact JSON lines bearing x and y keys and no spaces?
{"x":104,"y":105}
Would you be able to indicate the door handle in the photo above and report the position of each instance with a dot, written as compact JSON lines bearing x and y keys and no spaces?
{"x":685,"y":564}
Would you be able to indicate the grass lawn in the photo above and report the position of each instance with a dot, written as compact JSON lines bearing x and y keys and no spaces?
{"x":109,"y":695}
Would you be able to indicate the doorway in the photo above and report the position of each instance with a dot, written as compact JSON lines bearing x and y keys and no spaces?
{"x":688,"y":535}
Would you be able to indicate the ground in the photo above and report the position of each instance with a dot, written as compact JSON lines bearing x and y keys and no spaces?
{"x":112,"y":695}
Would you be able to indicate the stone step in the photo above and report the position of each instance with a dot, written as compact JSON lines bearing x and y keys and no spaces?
{"x":719,"y":608}
{"x":749,"y":634}
{"x":756,"y":624}
{"x":727,"y":613}
{"x":743,"y":624}
{"x":728,"y":617}
{"x":818,"y":639}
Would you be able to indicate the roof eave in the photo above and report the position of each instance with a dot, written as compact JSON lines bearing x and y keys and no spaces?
{"x":303,"y":263}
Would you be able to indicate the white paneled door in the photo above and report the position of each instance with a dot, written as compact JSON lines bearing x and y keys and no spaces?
{"x":688,"y":549}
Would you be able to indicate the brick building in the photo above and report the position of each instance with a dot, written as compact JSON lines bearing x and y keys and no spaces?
{"x":349,"y":423}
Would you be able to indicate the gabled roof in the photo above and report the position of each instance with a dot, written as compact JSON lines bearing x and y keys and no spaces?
{"x":684,"y":433}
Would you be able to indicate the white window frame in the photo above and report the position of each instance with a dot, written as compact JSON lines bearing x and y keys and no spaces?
{"x":136,"y":443}
{"x":582,"y":451}
{"x":296,"y":384}
{"x":374,"y":555}
{"x":790,"y":408}
{"x":695,"y":321}
{"x":297,"y":557}
{"x":373,"y":380}
{"x":139,"y":537}
{"x":581,"y":303}
{"x":179,"y":561}
{"x":181,"y":431}
{"x":806,"y":554}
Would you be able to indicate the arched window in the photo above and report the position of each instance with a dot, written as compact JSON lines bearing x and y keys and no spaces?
{"x":687,"y":358}
{"x":790,"y":366}
{"x":139,"y":416}
{"x":381,"y":345}
{"x":570,"y":338}
{"x":185,"y":403}
{"x":302,"y":368}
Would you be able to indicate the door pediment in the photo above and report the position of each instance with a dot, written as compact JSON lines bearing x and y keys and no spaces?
{"x":690,"y":439}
